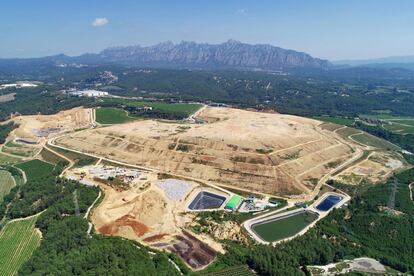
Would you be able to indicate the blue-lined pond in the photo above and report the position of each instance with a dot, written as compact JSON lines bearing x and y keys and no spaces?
{"x":329,"y":202}
{"x":206,"y":200}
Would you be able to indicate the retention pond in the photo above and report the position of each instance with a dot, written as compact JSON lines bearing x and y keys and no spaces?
{"x":329,"y":202}
{"x":284,"y":226}
{"x":206,"y":200}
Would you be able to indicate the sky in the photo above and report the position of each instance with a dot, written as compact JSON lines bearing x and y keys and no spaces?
{"x":331,"y":29}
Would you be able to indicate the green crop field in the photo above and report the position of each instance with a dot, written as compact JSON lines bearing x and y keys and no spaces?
{"x":79,"y":159}
{"x":107,"y":115}
{"x":7,"y":159}
{"x":370,"y":140}
{"x":167,"y":107}
{"x":12,"y":144}
{"x":385,"y":117}
{"x":335,"y":120}
{"x":397,"y":124}
{"x":285,"y":227}
{"x":400,"y":126}
{"x":50,"y":157}
{"x":6,"y":183}
{"x":35,"y":168}
{"x":18,"y":240}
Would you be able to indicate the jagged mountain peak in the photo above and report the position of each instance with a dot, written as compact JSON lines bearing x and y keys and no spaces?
{"x":230,"y":54}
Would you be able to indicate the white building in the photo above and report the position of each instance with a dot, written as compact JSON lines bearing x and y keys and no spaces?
{"x":89,"y":93}
{"x":19,"y":84}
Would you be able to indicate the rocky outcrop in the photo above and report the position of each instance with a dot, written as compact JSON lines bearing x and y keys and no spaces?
{"x":231,"y":54}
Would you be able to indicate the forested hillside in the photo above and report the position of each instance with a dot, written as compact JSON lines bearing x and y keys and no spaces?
{"x":5,"y":129}
{"x":345,"y":92}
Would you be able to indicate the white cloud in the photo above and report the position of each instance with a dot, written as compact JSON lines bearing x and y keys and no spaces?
{"x":100,"y":21}
{"x":240,"y":11}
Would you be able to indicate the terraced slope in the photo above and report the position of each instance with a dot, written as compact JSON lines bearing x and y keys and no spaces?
{"x":264,"y":152}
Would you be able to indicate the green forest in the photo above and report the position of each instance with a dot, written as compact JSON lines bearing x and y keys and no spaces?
{"x":342,"y":92}
{"x":5,"y":129}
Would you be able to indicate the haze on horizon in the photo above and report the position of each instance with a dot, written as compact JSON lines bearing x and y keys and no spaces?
{"x":342,"y":29}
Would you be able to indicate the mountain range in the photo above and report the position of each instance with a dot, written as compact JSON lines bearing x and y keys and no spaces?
{"x":228,"y":55}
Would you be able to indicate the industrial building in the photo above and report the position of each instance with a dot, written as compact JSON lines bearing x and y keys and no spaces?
{"x":233,"y":203}
{"x":88,"y":93}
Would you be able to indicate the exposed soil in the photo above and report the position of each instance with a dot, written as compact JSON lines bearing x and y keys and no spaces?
{"x":155,"y":238}
{"x":127,"y":220}
{"x":194,"y":252}
{"x":262,"y":152}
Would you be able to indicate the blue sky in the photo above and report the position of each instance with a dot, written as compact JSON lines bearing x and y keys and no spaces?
{"x":332,"y":29}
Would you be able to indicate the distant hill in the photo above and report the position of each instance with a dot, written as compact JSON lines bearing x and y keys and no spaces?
{"x":405,"y":62}
{"x":228,"y":55}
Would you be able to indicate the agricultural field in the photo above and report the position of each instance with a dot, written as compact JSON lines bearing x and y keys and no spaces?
{"x":35,"y":168}
{"x":400,"y":126}
{"x":373,"y":141}
{"x":18,"y":240}
{"x":79,"y":159}
{"x":19,"y":150}
{"x":281,"y":228}
{"x":184,"y":108}
{"x":6,"y":183}
{"x":109,"y":116}
{"x":336,"y":120}
{"x":396,"y":124}
{"x":7,"y":159}
{"x":50,"y":157}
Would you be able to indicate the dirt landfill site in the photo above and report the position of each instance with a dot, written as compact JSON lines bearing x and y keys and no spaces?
{"x":262,"y":152}
{"x":265,"y":153}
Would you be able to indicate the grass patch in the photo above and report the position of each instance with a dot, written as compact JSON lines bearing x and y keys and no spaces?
{"x":371,"y":140}
{"x":384,"y":116}
{"x":18,"y":240}
{"x":400,"y":127}
{"x":20,"y":151}
{"x":85,"y":161}
{"x":6,"y":159}
{"x":35,"y":168}
{"x":335,"y":120}
{"x":108,"y":115}
{"x":11,"y":144}
{"x":180,"y":108}
{"x":346,"y":132}
{"x":6,"y":183}
{"x":79,"y":159}
{"x":285,"y":227}
{"x":50,"y":157}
